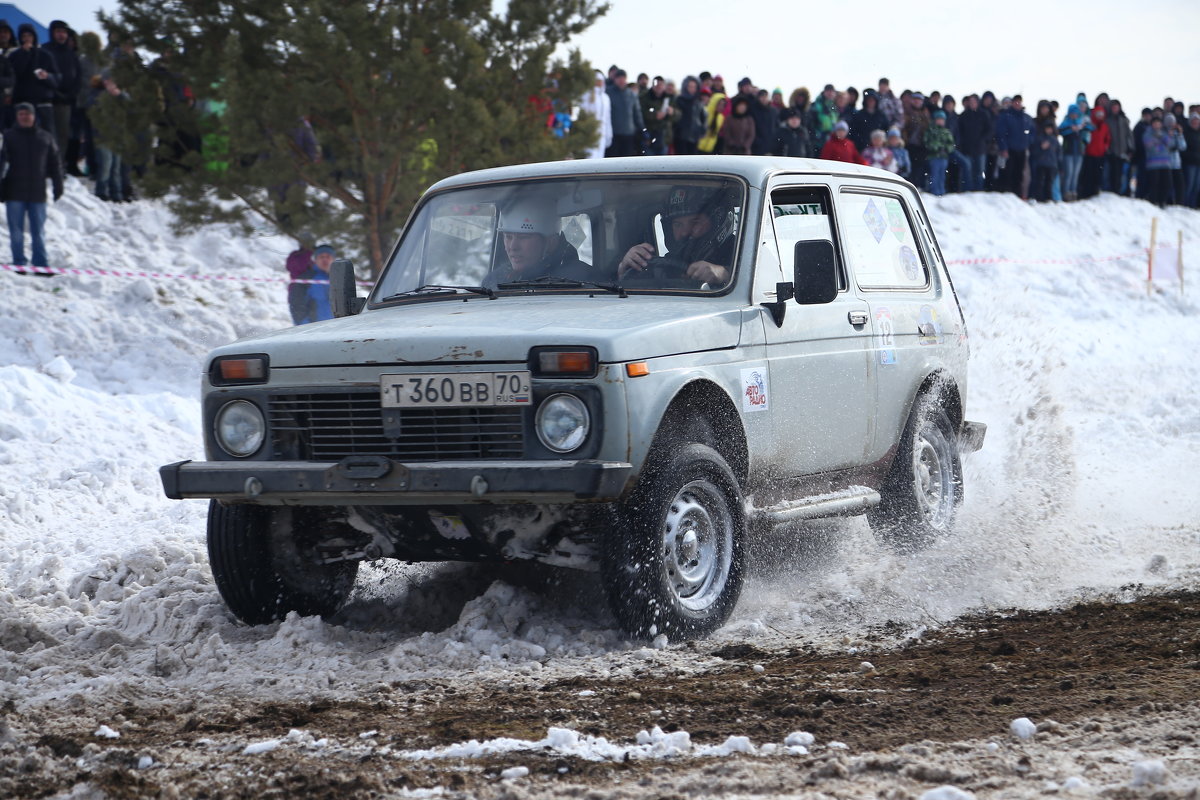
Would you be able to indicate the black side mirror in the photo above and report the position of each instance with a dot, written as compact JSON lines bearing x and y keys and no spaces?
{"x":343,"y":290}
{"x":816,"y":280}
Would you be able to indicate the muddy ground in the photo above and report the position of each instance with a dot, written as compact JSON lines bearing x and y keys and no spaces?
{"x":1108,"y":683}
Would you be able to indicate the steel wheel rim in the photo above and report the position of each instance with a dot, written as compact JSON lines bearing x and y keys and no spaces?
{"x":933,"y":477}
{"x":697,"y":545}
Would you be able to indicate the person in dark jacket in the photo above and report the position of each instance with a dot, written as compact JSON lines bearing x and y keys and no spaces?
{"x":1120,"y":149}
{"x":35,"y":75}
{"x":1191,"y":161}
{"x":8,"y":43}
{"x":314,"y":305}
{"x":739,"y":129}
{"x":766,"y":123}
{"x":974,"y":134}
{"x":792,"y":140}
{"x":689,"y":124}
{"x":1014,"y":132}
{"x":1044,"y":161}
{"x":867,"y":119}
{"x":28,"y":158}
{"x":66,"y":61}
{"x":627,"y":121}
{"x":299,"y":262}
{"x":1139,"y":153}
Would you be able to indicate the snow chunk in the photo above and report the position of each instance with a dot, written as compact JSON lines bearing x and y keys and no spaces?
{"x":145,"y":762}
{"x":734,"y":744}
{"x":513,"y":773}
{"x":799,"y":739}
{"x":60,"y":369}
{"x":759,"y":668}
{"x":105,"y":732}
{"x":1149,"y":773}
{"x":947,"y":793}
{"x":660,"y":642}
{"x":587,"y":693}
{"x":1074,"y":782}
{"x":1022,"y":728}
{"x":261,"y":747}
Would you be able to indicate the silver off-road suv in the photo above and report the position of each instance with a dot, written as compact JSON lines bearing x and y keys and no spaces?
{"x":629,"y":365}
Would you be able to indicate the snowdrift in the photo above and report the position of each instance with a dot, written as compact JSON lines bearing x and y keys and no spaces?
{"x":1086,"y":484}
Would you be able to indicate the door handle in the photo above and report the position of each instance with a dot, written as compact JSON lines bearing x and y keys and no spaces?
{"x":858,"y":318}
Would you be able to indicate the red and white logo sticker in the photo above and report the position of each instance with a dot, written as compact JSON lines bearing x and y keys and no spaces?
{"x":755,"y":389}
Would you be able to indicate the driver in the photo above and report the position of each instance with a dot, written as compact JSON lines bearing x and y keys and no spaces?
{"x":534,"y":245}
{"x":700,"y":236}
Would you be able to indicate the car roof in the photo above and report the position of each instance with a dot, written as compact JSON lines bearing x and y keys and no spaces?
{"x":755,"y":169}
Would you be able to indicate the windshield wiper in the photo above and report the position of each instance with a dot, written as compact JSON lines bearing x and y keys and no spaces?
{"x":432,"y":288}
{"x":555,"y":282}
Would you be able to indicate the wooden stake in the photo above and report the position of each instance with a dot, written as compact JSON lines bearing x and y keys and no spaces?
{"x":1150,"y":259}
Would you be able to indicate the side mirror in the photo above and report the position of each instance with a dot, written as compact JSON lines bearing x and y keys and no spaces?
{"x":816,"y":279}
{"x":343,"y":290}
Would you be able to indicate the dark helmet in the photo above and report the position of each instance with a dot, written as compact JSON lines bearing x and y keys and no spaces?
{"x":683,"y":201}
{"x":714,"y":202}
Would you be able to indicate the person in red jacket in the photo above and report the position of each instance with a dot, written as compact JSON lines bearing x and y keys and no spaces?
{"x":838,"y":147}
{"x":1093,"y":156}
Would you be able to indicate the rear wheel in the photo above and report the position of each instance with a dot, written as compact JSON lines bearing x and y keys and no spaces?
{"x":263,"y":565}
{"x":675,"y":564}
{"x":924,"y":487}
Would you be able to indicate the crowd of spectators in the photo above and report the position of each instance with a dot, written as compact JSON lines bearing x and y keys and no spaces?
{"x":990,"y":144}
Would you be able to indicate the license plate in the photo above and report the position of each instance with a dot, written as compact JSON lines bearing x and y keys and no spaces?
{"x":455,"y":389}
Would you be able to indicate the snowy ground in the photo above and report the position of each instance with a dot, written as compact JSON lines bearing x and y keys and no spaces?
{"x":1087,"y":483}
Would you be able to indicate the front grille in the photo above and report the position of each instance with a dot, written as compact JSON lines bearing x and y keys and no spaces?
{"x":332,"y":426}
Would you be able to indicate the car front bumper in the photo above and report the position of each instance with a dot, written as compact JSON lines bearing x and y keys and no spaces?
{"x":381,"y":481}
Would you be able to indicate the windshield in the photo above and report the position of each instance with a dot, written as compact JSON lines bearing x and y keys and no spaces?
{"x":661,"y":234}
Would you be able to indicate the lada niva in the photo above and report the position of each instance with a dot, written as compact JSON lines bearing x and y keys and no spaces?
{"x":627,"y":365}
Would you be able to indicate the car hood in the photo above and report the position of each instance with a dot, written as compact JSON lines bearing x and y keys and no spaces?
{"x":504,"y":329}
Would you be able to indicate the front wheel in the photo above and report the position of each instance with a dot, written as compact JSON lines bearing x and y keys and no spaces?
{"x":675,"y":565}
{"x":923,"y":490}
{"x":264,"y":568}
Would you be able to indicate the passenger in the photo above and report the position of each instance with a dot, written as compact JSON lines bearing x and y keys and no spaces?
{"x":699,"y":234}
{"x":534,"y":245}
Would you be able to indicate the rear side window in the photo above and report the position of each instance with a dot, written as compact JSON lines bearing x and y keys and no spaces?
{"x":879,"y":243}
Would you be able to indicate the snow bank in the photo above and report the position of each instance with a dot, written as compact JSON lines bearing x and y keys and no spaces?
{"x":1085,"y":380}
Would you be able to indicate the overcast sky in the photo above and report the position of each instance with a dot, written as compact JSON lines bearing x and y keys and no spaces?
{"x":1137,"y":51}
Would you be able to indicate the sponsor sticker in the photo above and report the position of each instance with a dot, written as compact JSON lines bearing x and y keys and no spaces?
{"x":875,"y":221}
{"x":910,"y":263}
{"x":896,"y":220}
{"x":885,"y":336}
{"x":929,"y":327}
{"x":755,"y":389}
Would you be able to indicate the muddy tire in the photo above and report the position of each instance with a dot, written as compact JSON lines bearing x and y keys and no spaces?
{"x":674,"y":565}
{"x":924,"y":488}
{"x":259,"y":564}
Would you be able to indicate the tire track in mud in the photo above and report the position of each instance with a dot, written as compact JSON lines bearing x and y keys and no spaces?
{"x":1138,"y":659}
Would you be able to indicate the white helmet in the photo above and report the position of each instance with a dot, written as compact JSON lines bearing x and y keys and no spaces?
{"x":530,"y":215}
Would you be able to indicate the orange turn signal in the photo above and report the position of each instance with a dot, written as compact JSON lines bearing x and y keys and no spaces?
{"x":554,"y":363}
{"x":637,"y":369}
{"x":240,"y":369}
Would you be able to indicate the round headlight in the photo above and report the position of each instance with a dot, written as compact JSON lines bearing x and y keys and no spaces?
{"x":562,"y":422}
{"x":240,"y":428}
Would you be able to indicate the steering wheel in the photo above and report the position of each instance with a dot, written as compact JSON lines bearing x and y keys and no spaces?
{"x":661,"y":272}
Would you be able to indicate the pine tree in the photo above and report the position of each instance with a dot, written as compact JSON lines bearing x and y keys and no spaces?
{"x":328,"y":118}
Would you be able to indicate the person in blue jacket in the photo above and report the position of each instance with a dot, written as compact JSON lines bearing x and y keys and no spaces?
{"x":1014,"y":133}
{"x":316,"y":299}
